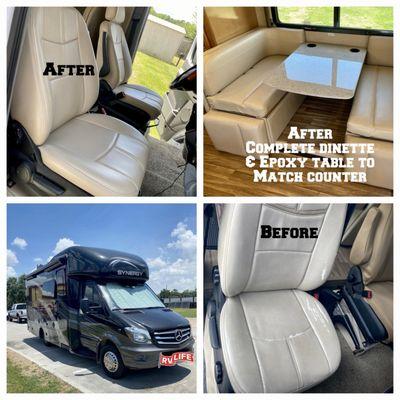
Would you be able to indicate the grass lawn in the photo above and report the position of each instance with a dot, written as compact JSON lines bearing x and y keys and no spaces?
{"x":24,"y":376}
{"x":154,"y":74}
{"x":350,"y":17}
{"x":186,"y":312}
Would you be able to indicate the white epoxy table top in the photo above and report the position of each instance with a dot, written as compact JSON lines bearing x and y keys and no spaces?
{"x":326,"y":70}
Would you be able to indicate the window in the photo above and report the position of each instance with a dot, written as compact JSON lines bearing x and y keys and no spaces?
{"x":91,"y":293}
{"x":322,"y":16}
{"x":21,"y":306}
{"x":49,"y":289}
{"x":130,"y":297}
{"x":60,"y":280}
{"x":379,"y":18}
{"x":359,"y":20}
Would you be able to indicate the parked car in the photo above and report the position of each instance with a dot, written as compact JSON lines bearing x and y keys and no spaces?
{"x":96,"y":303}
{"x":17,"y":312}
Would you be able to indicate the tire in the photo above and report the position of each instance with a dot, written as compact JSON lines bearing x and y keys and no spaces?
{"x":18,"y":319}
{"x":111,"y":362}
{"x":42,"y":336}
{"x":8,"y":318}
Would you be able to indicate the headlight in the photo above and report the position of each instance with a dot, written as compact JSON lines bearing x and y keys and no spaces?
{"x":138,"y":335}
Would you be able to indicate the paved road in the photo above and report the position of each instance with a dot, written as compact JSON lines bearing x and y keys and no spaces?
{"x":87,"y":376}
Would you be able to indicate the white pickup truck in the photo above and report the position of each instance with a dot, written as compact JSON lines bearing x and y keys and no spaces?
{"x":17,"y":312}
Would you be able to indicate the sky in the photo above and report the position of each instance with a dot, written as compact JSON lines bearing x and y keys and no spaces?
{"x":185,"y":10}
{"x":163,"y":235}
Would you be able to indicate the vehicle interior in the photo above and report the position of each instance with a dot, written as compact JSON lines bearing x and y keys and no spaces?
{"x":245,"y":50}
{"x":76,"y":126}
{"x":298,"y":314}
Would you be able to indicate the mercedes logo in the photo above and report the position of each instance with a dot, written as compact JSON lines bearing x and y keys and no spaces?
{"x":178,"y":335}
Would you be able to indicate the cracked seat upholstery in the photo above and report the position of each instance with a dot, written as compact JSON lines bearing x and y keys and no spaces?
{"x":97,"y":153}
{"x":275,"y":337}
{"x":120,"y":65}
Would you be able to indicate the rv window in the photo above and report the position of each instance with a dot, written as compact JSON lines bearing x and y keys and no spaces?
{"x":91,"y":293}
{"x":130,"y":297}
{"x":357,"y":20}
{"x":379,"y":18}
{"x":49,"y":289}
{"x":61,"y":286}
{"x":322,"y":16}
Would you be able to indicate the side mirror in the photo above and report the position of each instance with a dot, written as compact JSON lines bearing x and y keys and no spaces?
{"x":85,"y":305}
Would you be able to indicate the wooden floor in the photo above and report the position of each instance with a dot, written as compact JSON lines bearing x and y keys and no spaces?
{"x":226,"y":174}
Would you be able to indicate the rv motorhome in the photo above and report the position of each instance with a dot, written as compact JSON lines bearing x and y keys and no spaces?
{"x":96,"y":303}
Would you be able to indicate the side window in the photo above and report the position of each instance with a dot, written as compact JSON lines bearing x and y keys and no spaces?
{"x":60,"y":281}
{"x":318,"y":16}
{"x":91,"y":293}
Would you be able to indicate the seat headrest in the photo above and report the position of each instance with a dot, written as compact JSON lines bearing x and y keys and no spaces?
{"x":115,"y":14}
{"x":250,"y":259}
{"x":372,"y":249}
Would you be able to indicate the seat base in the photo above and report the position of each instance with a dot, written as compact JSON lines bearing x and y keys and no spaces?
{"x":381,"y":175}
{"x":277,"y":341}
{"x":99,"y":154}
{"x":142,"y":98}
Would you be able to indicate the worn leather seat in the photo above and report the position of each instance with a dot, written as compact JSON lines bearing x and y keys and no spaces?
{"x":99,"y":154}
{"x":275,"y":337}
{"x":115,"y":65}
{"x":372,"y":251}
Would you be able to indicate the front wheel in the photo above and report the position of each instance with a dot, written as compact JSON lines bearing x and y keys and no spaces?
{"x":111,"y":361}
{"x":18,"y":319}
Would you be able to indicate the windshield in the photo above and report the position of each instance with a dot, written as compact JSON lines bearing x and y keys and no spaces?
{"x":21,"y":306}
{"x":130,"y":297}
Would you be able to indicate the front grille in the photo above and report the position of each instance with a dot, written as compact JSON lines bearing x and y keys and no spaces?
{"x":174,"y":336}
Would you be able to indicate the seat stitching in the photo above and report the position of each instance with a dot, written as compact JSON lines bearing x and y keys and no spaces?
{"x":315,"y":244}
{"x":254,"y":251}
{"x":109,"y":148}
{"x":315,"y":333}
{"x":130,"y":155}
{"x":300,"y":382}
{"x":254,"y":349}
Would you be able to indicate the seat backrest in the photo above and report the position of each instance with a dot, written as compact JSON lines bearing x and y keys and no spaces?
{"x":380,"y":51}
{"x":249,"y":261}
{"x":115,"y":63}
{"x":93,"y":17}
{"x":372,"y":249}
{"x":42,"y":103}
{"x":226,"y":62}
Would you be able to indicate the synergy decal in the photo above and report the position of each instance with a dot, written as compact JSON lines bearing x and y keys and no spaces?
{"x":68,"y":69}
{"x":269,"y":232}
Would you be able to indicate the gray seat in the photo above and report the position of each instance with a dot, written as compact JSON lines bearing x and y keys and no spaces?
{"x":275,"y":337}
{"x":99,"y":154}
{"x":115,"y":65}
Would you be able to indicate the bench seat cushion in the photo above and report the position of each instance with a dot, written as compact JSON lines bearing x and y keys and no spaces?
{"x":249,"y":94}
{"x":372,"y":112}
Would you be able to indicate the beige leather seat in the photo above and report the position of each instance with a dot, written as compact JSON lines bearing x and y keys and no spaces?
{"x":100,"y":154}
{"x":241,"y":106}
{"x":93,"y":17}
{"x":115,"y":65}
{"x":372,"y":251}
{"x":371,"y":116}
{"x":275,"y":337}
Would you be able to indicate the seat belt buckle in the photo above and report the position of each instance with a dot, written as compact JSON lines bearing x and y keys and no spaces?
{"x":103,"y":111}
{"x":216,"y":276}
{"x":367,"y":294}
{"x":316,"y":295}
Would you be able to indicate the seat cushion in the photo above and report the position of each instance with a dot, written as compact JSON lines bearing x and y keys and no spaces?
{"x":372,"y":111}
{"x":100,"y":154}
{"x":278,"y":341}
{"x":382,"y":304}
{"x":143,"y":98}
{"x":249,"y":94}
